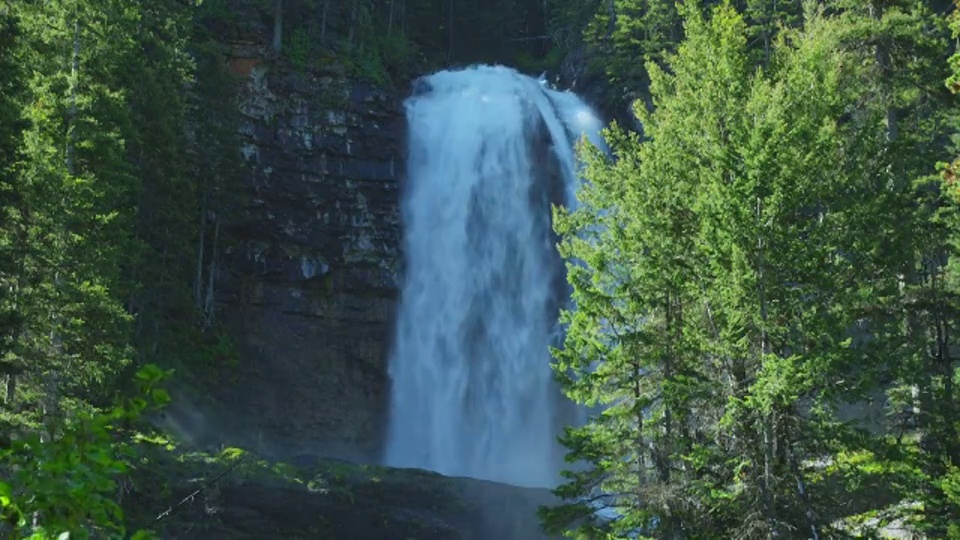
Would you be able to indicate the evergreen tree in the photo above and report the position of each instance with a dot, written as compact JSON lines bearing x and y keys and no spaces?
{"x":933,"y":305}
{"x":902,"y":47}
{"x":167,"y":202}
{"x":766,"y":18}
{"x":11,"y":125}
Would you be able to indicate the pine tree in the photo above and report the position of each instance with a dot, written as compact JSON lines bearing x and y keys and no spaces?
{"x":765,"y":19}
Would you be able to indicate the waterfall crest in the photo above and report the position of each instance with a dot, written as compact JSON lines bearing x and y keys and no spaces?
{"x":472,"y":390}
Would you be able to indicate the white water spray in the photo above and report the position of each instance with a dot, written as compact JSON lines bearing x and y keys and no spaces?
{"x":472,"y":390}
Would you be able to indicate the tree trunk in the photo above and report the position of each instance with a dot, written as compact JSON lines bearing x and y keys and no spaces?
{"x":278,"y":25}
{"x":74,"y":82}
{"x":882,"y":53}
{"x":804,"y":496}
{"x":198,"y":284}
{"x":9,"y":398}
{"x":390,"y":19}
{"x":612,"y":18}
{"x":769,"y":420}
{"x":353,"y":22}
{"x":667,"y":375}
{"x":160,"y":286}
{"x":50,"y":403}
{"x":450,"y":25}
{"x":323,"y":18}
{"x":212,"y":272}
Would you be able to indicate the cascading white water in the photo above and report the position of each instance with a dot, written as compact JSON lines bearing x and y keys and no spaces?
{"x":472,"y":390}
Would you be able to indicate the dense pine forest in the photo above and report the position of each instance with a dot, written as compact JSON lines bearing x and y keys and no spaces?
{"x":765,"y":288}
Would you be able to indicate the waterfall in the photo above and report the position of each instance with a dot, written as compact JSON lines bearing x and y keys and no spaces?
{"x":472,"y":390}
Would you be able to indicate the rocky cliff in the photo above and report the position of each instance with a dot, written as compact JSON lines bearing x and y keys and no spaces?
{"x":307,"y":289}
{"x":307,"y":285}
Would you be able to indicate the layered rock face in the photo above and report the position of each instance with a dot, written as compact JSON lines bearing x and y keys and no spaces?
{"x":308,"y":292}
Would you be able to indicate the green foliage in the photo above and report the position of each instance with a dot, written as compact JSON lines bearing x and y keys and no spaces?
{"x":208,"y":353}
{"x":298,"y":49}
{"x":566,"y":21}
{"x":216,"y":10}
{"x":364,"y":62}
{"x":388,"y":42}
{"x":66,"y":487}
{"x":369,"y":51}
{"x":723,"y":262}
{"x":953,"y":81}
{"x":535,"y":65}
{"x":399,"y":55}
{"x":907,"y":46}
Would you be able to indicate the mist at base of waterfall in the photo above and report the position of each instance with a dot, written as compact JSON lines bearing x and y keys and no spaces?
{"x":472,"y":390}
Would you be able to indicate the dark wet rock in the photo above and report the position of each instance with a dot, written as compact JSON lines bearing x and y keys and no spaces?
{"x":324,"y":498}
{"x":421,"y":86}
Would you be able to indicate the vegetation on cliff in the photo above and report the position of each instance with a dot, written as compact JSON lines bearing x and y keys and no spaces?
{"x":387,"y":41}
